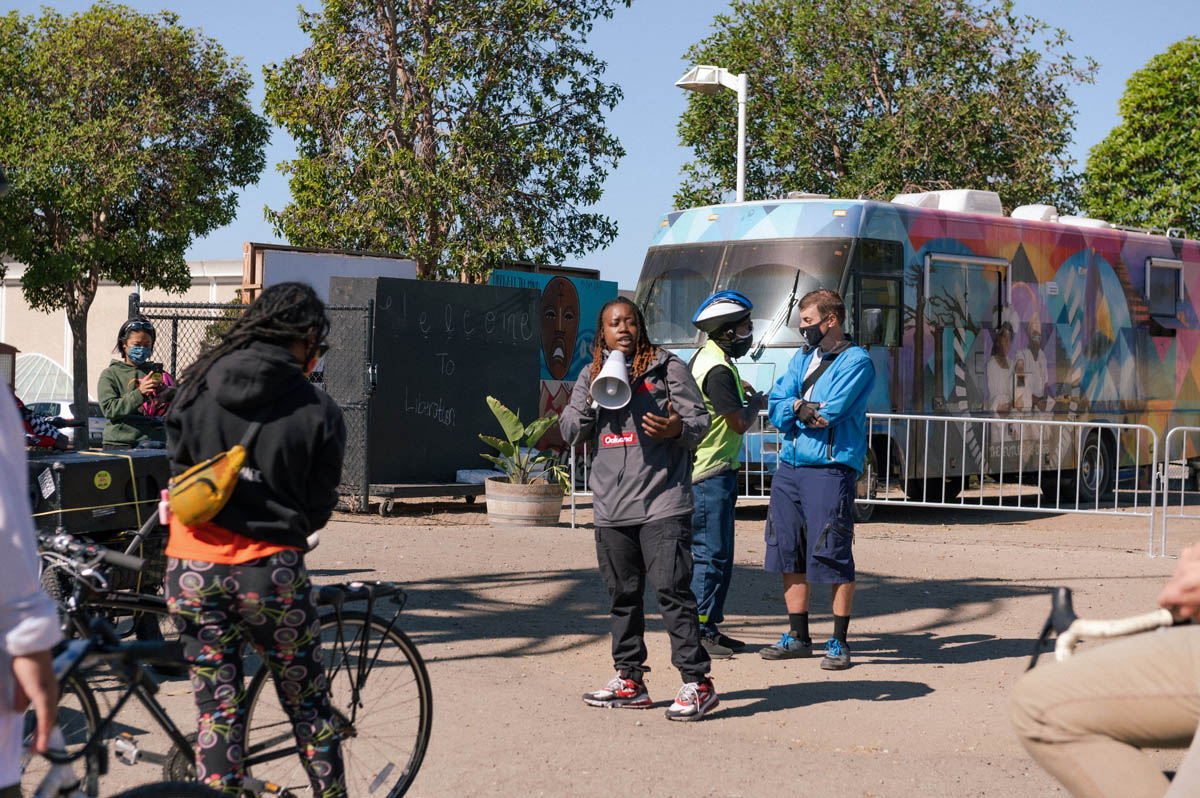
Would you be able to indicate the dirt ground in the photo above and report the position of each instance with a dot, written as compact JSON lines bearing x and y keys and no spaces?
{"x":512,"y":623}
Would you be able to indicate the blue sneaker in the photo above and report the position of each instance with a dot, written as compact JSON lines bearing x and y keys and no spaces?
{"x":837,"y":656}
{"x":788,"y":647}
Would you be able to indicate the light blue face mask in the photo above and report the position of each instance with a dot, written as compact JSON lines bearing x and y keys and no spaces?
{"x":139,"y":354}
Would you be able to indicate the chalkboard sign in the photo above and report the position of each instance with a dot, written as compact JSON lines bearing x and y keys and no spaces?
{"x":439,"y":349}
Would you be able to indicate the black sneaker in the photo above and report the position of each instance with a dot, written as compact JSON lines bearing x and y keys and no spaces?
{"x":837,"y":655}
{"x":730,"y":643}
{"x":712,"y":644}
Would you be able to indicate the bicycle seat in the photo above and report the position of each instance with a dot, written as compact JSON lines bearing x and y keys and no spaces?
{"x":331,"y":595}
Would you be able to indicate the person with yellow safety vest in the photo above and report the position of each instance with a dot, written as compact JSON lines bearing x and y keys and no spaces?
{"x":733,"y":406}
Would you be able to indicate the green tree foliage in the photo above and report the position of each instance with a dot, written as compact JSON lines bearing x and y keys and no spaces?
{"x":874,"y":97}
{"x":1146,"y":172}
{"x":124,"y":136}
{"x":462,"y":133}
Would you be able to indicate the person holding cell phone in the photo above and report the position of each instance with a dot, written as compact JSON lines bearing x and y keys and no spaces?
{"x":133,"y":391}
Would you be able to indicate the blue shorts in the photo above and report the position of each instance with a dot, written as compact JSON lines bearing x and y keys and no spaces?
{"x":810,"y":526}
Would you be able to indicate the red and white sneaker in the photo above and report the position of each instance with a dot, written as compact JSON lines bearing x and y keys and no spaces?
{"x":620,"y":692}
{"x":694,"y":700}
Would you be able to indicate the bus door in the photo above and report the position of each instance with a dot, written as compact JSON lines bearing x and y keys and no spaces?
{"x":969,"y":372}
{"x":876,"y":287}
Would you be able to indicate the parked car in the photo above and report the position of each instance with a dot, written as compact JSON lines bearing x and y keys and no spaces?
{"x":62,"y":408}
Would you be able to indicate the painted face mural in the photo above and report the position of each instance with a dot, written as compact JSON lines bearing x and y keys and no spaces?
{"x":560,"y":323}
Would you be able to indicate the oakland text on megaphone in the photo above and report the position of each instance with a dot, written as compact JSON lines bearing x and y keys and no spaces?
{"x":610,"y":389}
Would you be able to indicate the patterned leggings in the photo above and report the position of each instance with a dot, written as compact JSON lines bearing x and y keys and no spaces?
{"x":268,"y":602}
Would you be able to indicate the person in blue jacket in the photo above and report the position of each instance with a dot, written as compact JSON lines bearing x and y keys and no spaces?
{"x":820,"y":406}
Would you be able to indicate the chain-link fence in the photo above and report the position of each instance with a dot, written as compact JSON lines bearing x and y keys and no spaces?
{"x":185,"y":329}
{"x":348,"y":377}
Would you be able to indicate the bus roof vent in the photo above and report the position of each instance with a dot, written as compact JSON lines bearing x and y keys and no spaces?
{"x":1084,"y":221}
{"x":1036,"y":213}
{"x":964,"y":200}
{"x":805,"y":195}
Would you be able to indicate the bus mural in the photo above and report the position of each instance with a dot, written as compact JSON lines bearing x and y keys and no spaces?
{"x":964,"y":312}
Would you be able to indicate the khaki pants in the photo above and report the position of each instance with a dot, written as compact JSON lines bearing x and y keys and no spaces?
{"x":1086,"y":719}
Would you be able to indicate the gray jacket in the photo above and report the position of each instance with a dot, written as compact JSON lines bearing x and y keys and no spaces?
{"x":635,"y":478}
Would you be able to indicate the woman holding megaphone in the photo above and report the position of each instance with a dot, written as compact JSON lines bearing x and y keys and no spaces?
{"x":642,"y":416}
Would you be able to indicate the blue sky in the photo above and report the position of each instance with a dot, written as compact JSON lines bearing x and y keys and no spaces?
{"x":644,"y":47}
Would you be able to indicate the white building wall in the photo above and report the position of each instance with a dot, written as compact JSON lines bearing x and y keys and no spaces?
{"x":50,"y":335}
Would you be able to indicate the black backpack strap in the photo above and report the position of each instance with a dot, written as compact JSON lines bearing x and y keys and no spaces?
{"x":826,"y":361}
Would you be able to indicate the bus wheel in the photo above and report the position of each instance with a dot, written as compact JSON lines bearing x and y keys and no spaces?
{"x":865,"y":488}
{"x":1097,"y":469}
{"x":938,"y":491}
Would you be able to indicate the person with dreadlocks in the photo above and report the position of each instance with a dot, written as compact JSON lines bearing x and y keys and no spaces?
{"x":240,"y":578}
{"x":641,"y":479}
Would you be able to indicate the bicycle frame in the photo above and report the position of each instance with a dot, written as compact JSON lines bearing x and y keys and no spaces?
{"x":336,"y":596}
{"x":372,"y":591}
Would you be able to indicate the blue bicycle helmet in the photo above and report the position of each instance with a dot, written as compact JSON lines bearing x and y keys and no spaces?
{"x":720,"y":309}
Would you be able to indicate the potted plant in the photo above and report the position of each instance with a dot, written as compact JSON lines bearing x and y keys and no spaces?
{"x":530,"y":492}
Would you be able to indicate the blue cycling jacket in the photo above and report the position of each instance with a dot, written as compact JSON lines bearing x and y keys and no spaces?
{"x":843,"y":390}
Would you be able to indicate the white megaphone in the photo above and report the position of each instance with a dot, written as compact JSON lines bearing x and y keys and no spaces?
{"x":610,"y":389}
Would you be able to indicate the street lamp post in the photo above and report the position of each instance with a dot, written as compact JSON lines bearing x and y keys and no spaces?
{"x":708,"y":79}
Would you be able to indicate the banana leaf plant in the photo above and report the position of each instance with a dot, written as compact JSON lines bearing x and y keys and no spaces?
{"x":520,"y":459}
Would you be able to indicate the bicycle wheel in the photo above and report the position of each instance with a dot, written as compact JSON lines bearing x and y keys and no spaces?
{"x":78,"y":718}
{"x":384,"y":737}
{"x":170,"y":789}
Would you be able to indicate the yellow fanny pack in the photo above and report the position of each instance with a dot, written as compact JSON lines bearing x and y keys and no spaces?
{"x":198,"y":494}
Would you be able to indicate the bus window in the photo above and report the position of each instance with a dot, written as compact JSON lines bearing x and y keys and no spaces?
{"x":1164,"y":284}
{"x":770,"y":273}
{"x":675,"y":280}
{"x":882,"y":293}
{"x":876,"y":284}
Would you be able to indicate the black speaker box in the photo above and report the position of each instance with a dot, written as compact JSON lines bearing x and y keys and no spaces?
{"x":95,"y":492}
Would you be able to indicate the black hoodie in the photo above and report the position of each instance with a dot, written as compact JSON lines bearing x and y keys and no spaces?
{"x":288,"y":485}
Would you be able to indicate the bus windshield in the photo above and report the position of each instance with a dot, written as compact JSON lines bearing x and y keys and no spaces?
{"x":676,"y":279}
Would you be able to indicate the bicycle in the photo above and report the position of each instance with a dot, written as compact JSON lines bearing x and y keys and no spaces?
{"x":1069,"y":629}
{"x":62,"y":782}
{"x":60,"y":779}
{"x":379,"y":688}
{"x":97,"y":594}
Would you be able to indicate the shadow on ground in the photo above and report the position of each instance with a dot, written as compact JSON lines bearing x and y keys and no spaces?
{"x":794,"y":695}
{"x":543,"y":612}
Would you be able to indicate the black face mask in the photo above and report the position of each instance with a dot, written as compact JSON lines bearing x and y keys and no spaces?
{"x":812,"y":334}
{"x":735,"y":346}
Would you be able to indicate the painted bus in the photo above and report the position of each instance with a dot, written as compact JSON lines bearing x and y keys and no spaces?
{"x":964,"y":311}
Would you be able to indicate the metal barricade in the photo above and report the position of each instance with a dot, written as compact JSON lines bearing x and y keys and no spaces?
{"x":991,"y":463}
{"x":1015,"y":464}
{"x":1179,"y":478}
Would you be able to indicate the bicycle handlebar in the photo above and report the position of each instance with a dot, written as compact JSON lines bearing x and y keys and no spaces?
{"x":89,"y":553}
{"x":62,"y":423}
{"x":1069,"y":629}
